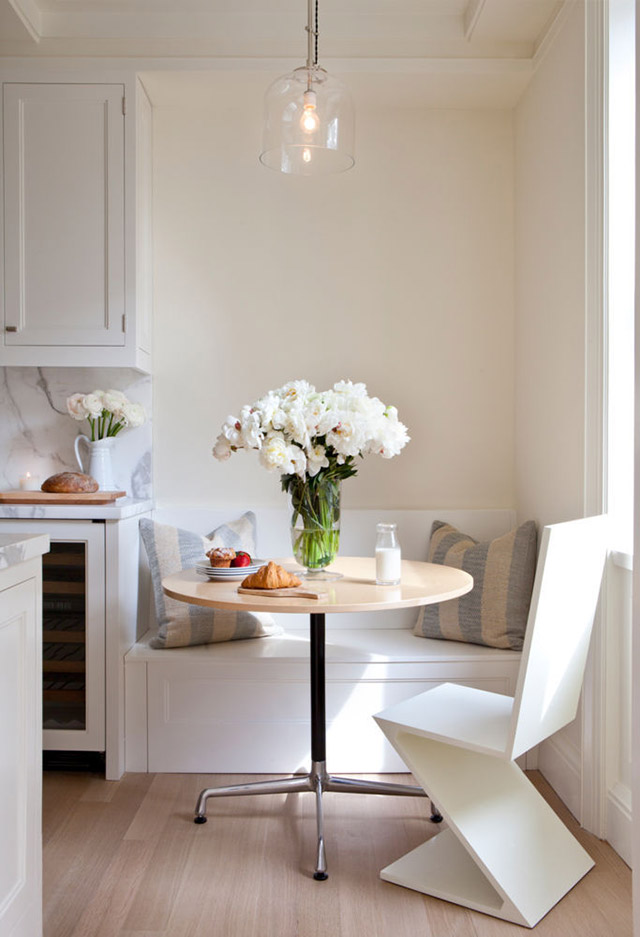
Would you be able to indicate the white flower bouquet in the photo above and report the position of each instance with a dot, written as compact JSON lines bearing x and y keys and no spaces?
{"x":108,"y":412}
{"x":312,"y":438}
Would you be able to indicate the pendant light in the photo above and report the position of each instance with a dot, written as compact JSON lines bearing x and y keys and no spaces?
{"x":309,"y":122}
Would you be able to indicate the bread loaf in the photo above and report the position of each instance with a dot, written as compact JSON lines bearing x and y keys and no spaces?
{"x":69,"y":482}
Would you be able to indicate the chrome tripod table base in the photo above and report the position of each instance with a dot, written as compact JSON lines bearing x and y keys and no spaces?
{"x":318,"y":780}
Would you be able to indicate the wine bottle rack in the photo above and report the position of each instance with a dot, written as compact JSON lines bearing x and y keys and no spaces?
{"x":64,"y":685}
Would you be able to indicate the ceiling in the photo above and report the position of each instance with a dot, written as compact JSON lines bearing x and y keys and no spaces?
{"x":386,"y":31}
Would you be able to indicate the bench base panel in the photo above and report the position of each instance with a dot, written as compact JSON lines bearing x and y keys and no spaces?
{"x":243,"y":707}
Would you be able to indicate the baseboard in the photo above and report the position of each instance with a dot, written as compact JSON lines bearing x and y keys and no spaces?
{"x":559,"y":762}
{"x":619,"y":821}
{"x":73,"y":761}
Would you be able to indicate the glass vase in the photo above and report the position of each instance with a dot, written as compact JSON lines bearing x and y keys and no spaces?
{"x":315,"y":523}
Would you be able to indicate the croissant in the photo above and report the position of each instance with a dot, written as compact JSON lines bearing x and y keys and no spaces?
{"x":271,"y":576}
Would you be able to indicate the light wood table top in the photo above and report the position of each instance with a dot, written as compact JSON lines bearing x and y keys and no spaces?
{"x":422,"y":584}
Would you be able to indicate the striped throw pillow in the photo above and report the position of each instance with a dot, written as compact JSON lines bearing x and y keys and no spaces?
{"x":171,"y":549}
{"x":495,"y":612}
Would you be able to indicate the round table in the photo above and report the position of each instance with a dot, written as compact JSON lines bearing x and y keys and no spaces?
{"x":356,"y":591}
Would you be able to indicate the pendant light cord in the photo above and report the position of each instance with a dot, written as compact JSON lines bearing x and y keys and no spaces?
{"x":312,"y":30}
{"x":315,"y":60}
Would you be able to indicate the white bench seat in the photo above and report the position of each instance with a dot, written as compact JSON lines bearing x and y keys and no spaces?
{"x":243,"y":706}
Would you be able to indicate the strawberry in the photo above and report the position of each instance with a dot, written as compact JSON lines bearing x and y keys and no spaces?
{"x":241,"y":559}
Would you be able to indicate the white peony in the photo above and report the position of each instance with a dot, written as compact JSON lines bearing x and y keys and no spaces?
{"x":350,"y":389}
{"x":391,"y":435}
{"x":274,"y":454}
{"x":222,"y":449}
{"x":267,"y":407}
{"x":295,"y":426}
{"x":279,"y":418}
{"x":297,"y":461}
{"x":232,"y":430}
{"x":328,"y":420}
{"x":316,"y":460}
{"x":347,"y":438}
{"x":314,"y":412}
{"x":300,"y":431}
{"x":250,"y":428}
{"x":296,"y":390}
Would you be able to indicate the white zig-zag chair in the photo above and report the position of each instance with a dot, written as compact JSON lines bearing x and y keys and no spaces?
{"x":505,"y":852}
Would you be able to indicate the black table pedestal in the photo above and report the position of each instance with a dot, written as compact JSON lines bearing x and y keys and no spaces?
{"x":318,"y":779}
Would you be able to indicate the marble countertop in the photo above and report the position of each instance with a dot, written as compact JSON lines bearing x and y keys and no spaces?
{"x":115,"y":511}
{"x":16,"y":548}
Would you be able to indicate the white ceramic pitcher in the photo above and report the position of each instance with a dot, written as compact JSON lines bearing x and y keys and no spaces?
{"x":100,"y":461}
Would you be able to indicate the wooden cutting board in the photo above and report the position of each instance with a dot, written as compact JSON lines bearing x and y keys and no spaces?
{"x":49,"y":497}
{"x":296,"y":592}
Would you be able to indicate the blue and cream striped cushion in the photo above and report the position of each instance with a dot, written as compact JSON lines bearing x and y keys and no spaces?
{"x":495,"y":612}
{"x":171,"y":549}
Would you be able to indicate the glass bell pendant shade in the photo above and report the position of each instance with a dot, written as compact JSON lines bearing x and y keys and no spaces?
{"x":309,"y":124}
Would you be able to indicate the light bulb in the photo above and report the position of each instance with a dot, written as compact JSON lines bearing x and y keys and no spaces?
{"x":309,"y":120}
{"x":306,"y":154}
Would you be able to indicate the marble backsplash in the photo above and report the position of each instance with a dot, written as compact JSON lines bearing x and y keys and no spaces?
{"x":37,"y":434}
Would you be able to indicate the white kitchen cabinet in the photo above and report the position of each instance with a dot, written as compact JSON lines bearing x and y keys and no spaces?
{"x":20,"y":734}
{"x":76,"y":254}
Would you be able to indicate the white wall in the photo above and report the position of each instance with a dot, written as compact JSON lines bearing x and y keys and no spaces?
{"x":398,"y":273}
{"x":550,"y":319}
{"x":550,"y":276}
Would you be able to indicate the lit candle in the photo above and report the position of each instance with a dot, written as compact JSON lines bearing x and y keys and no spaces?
{"x":29,"y":482}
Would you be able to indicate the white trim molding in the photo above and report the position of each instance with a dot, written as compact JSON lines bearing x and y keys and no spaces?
{"x":30,"y":15}
{"x":592,"y":813}
{"x":619,"y":830}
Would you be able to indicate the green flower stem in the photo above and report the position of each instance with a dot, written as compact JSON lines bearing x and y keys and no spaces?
{"x":103,"y":426}
{"x":315,"y":520}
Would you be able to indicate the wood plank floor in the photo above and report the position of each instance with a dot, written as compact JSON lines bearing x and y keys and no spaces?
{"x":124,"y":859}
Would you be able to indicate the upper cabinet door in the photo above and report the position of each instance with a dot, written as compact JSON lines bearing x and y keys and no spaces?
{"x":64,"y":225}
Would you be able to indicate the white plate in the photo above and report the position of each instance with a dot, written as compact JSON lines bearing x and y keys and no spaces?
{"x":228,"y":572}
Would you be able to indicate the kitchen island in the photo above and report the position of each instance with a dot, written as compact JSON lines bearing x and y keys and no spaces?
{"x":21,"y":733}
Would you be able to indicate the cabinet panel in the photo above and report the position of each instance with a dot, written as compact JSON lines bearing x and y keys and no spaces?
{"x":20,"y":905}
{"x":64,"y":214}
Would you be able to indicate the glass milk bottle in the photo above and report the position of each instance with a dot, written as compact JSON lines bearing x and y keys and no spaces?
{"x":388,"y":556}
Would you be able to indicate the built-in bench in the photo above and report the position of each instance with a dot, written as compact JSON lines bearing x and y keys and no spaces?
{"x":243,"y":706}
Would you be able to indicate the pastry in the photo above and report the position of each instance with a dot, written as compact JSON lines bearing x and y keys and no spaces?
{"x":271,"y":576}
{"x":221,"y":556}
{"x":69,"y":482}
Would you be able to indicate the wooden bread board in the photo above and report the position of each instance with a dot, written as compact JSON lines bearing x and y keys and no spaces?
{"x":296,"y":592}
{"x":55,"y":497}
